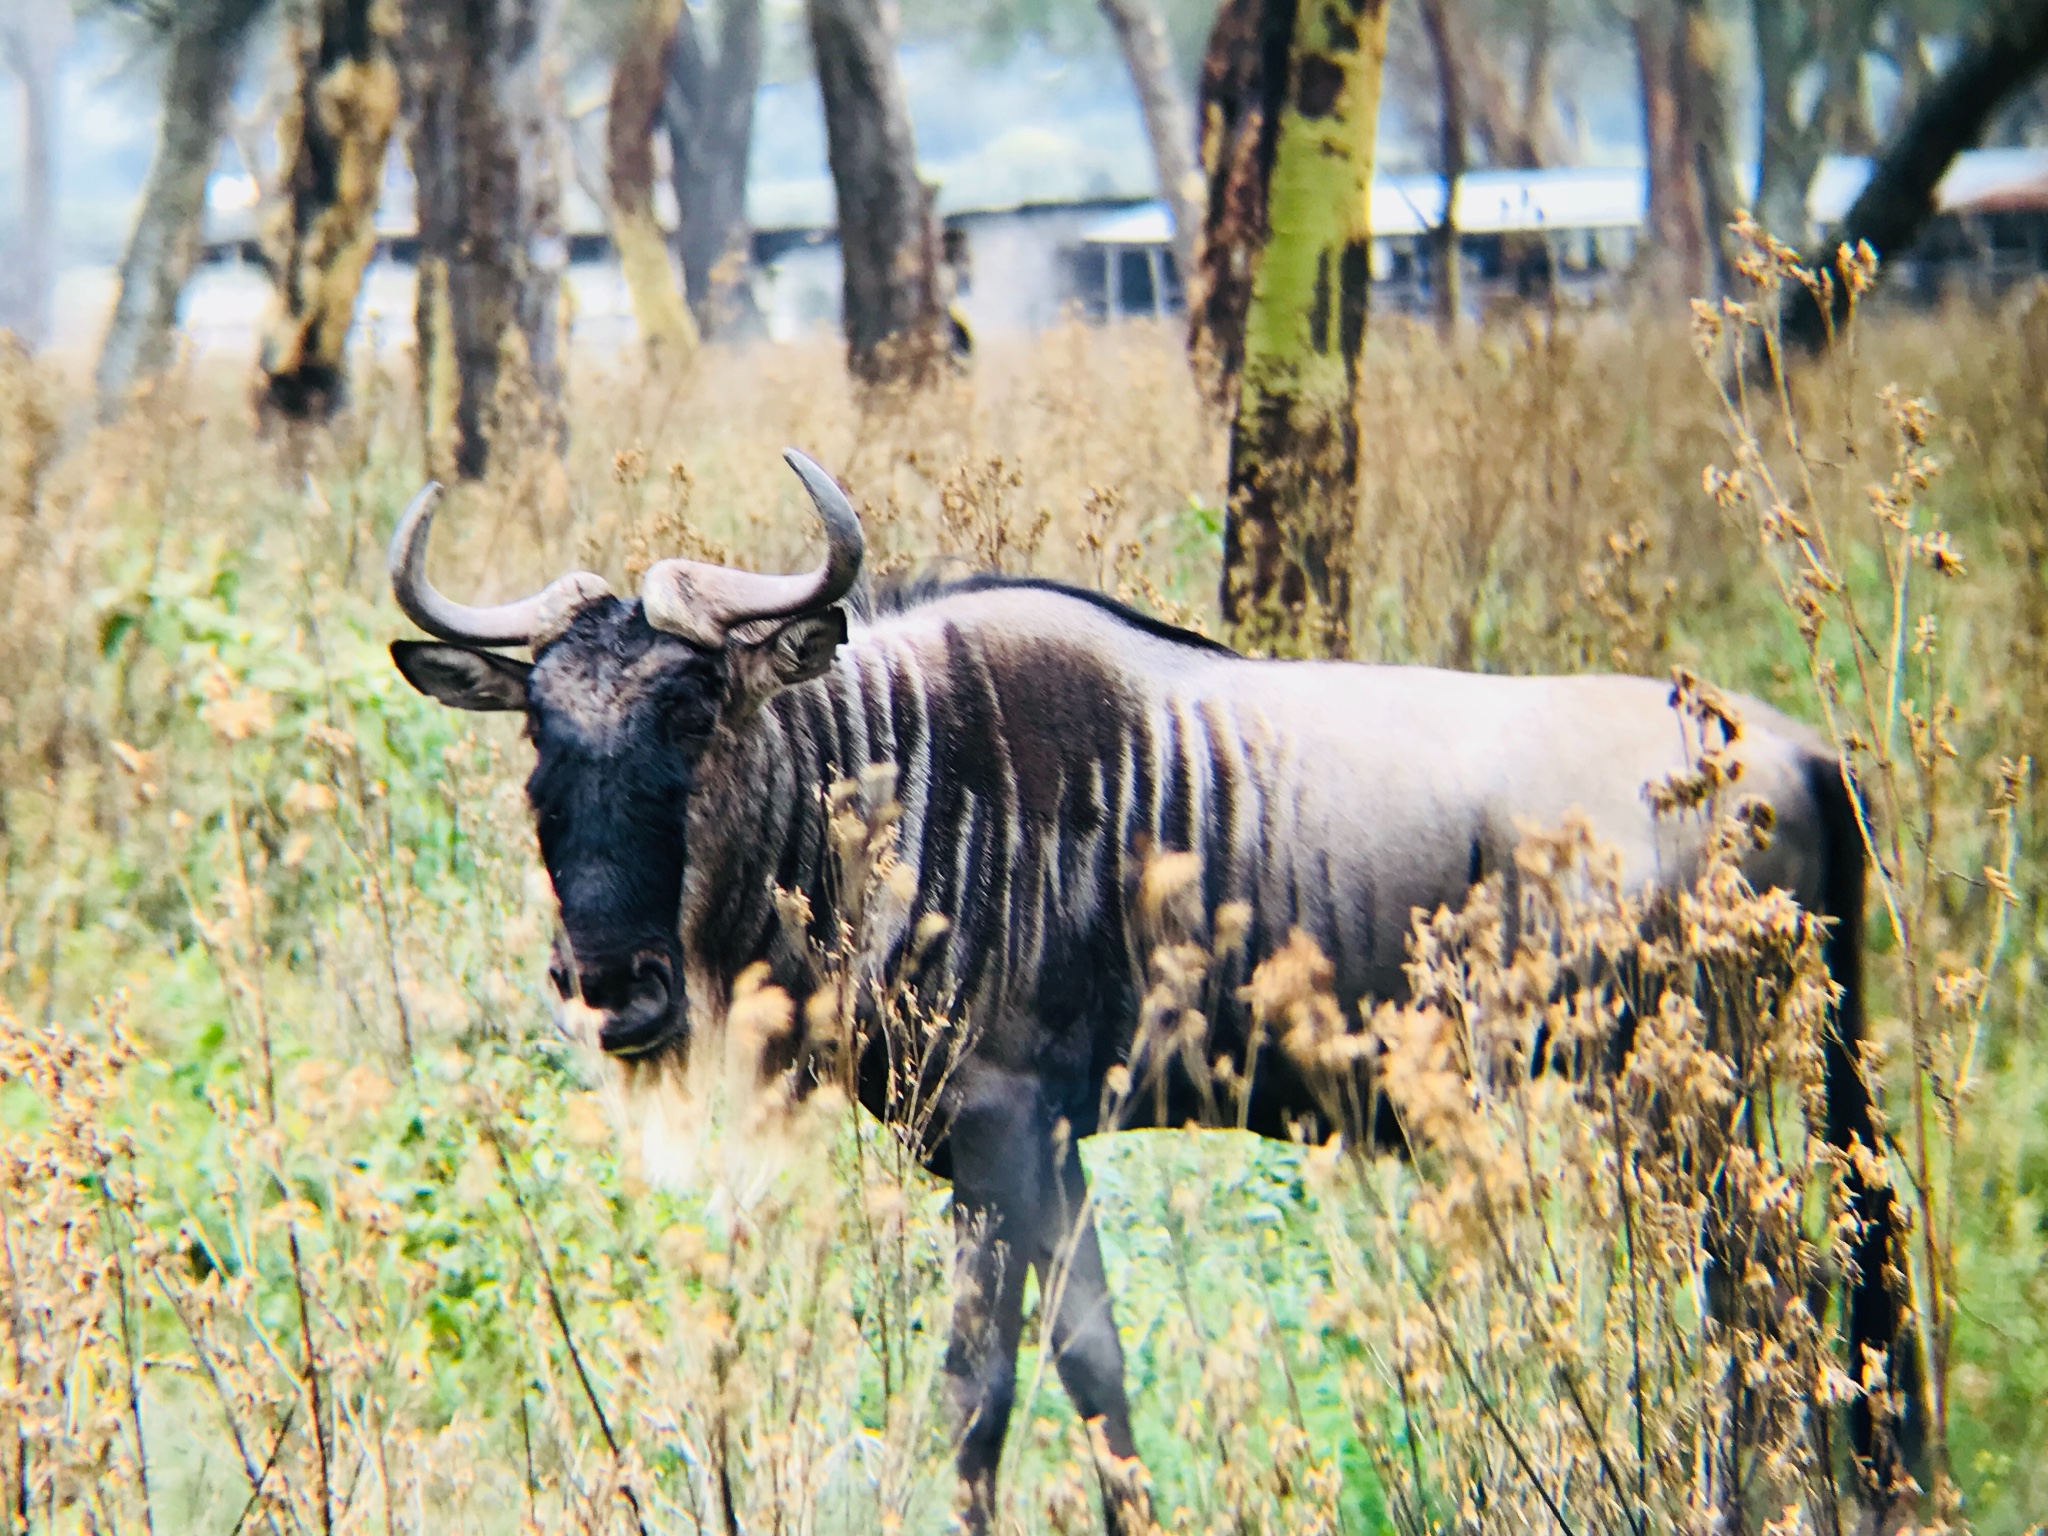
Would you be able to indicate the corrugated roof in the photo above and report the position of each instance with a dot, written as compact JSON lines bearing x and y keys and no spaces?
{"x":1489,"y":202}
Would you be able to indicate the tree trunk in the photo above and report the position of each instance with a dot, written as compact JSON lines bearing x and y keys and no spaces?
{"x":1244,"y":81}
{"x":1289,"y":105}
{"x":1169,"y":123}
{"x":205,"y":55}
{"x":709,"y":109}
{"x":331,"y":142}
{"x":29,"y":45}
{"x":1536,"y":134}
{"x":888,"y":238}
{"x":1949,"y":117}
{"x":1446,"y":269}
{"x":490,"y":247}
{"x":1703,"y":62}
{"x":639,"y":81}
{"x":1795,"y":38}
{"x":1684,"y":135}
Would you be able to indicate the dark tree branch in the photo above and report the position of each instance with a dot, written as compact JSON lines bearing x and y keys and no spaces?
{"x":1949,"y":117}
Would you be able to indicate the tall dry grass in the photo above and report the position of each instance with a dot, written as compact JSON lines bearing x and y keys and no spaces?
{"x":313,"y":1224}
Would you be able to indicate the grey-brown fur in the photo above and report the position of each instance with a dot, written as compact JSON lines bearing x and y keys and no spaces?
{"x":1044,"y":744}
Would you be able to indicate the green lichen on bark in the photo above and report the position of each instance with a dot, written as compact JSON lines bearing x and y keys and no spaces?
{"x":1294,"y":437}
{"x":332,"y":140}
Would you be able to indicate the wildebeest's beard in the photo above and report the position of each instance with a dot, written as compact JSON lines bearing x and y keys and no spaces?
{"x":619,"y":714}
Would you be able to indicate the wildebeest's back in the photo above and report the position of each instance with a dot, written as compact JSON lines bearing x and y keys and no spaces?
{"x":1046,"y":749}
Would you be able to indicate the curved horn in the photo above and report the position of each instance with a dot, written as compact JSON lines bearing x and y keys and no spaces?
{"x":529,"y":621}
{"x":703,"y":603}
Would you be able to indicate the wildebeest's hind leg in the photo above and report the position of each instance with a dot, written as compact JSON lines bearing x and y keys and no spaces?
{"x":1085,"y":1346}
{"x":981,"y":1359}
{"x":1020,"y":1200}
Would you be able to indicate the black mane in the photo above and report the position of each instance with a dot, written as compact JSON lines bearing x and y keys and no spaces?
{"x":901,"y":595}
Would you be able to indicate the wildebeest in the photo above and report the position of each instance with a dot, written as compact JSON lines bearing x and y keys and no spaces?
{"x":1043,"y":738}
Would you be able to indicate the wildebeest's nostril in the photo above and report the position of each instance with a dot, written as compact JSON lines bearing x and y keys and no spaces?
{"x":639,"y":1002}
{"x":651,"y":983}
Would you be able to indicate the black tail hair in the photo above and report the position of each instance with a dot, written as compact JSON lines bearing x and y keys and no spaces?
{"x":1876,"y":1300}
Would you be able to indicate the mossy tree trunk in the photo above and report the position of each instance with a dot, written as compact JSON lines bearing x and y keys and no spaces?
{"x":479,"y":120}
{"x":889,"y":243}
{"x":1290,"y":99}
{"x":332,"y":140}
{"x":639,"y":81}
{"x":206,"y":38}
{"x":709,"y":108}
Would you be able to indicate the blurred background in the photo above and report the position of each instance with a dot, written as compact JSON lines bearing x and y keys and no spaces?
{"x":1029,"y":128}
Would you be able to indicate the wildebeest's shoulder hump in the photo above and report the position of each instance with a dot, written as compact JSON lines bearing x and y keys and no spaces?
{"x":934,"y":586}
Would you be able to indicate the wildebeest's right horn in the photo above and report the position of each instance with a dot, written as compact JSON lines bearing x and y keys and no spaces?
{"x":703,"y":603}
{"x":529,"y":621}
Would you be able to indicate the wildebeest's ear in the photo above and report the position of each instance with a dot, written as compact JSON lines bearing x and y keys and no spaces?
{"x":802,"y":649}
{"x":460,"y":677}
{"x":797,"y":652}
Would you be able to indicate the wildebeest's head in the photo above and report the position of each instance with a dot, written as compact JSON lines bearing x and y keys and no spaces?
{"x":620,"y":701}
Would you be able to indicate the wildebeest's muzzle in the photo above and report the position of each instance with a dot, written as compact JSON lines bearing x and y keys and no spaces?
{"x":634,"y":1000}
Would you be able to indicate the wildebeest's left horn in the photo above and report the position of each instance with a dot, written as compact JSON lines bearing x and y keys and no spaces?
{"x":529,"y":621}
{"x":703,"y":603}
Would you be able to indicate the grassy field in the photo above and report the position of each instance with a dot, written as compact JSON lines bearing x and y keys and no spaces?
{"x":311,"y":1224}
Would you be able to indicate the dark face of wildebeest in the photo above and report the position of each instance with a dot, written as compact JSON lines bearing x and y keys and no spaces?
{"x":621,"y":699}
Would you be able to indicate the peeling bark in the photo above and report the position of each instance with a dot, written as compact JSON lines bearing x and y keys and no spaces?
{"x":1244,"y":81}
{"x":889,"y":241}
{"x":480,"y":130}
{"x":205,"y":56}
{"x":709,"y":110}
{"x":1169,"y":122}
{"x":1289,"y":108}
{"x":639,"y":81}
{"x":332,"y":140}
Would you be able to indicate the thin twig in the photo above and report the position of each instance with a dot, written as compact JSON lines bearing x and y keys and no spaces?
{"x":561,"y":1315}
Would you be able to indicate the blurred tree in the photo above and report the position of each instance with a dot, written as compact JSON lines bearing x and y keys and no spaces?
{"x":32,"y":36}
{"x":1807,"y":48}
{"x":639,"y":80}
{"x":709,"y":112}
{"x":889,"y":245}
{"x":482,"y":127}
{"x":205,"y":40}
{"x":1680,"y":60}
{"x":1517,"y":123}
{"x":1076,"y":28}
{"x":2007,"y":48}
{"x":1289,"y":106}
{"x":1446,"y":267}
{"x":1140,"y":27}
{"x":332,"y":140}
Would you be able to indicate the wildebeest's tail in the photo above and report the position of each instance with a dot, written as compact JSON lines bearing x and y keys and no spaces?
{"x":1876,"y":1302}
